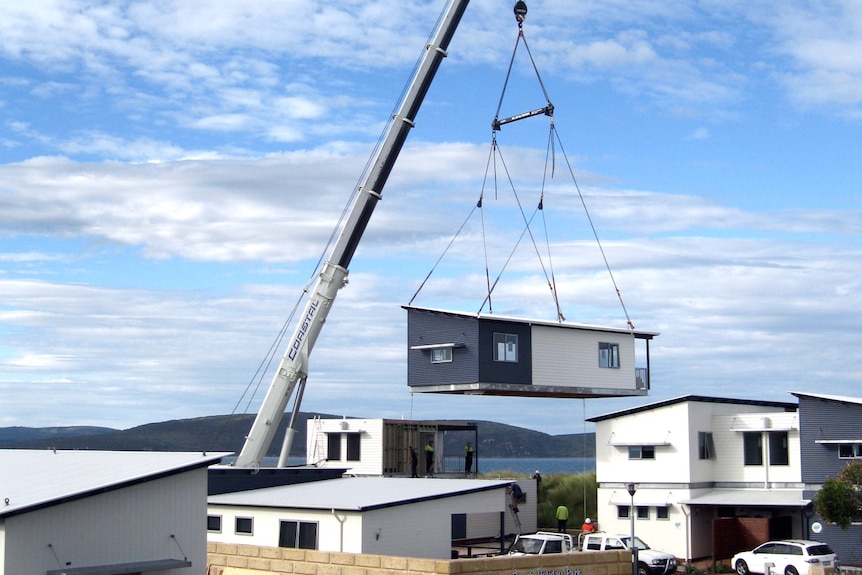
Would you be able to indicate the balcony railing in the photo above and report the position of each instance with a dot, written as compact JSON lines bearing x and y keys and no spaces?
{"x":641,"y":378}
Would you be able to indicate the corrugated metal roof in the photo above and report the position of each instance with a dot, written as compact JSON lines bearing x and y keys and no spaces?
{"x":751,"y":498}
{"x":565,"y":324}
{"x":32,"y":479}
{"x":694,"y":398}
{"x":357,"y":493}
{"x":839,"y":398}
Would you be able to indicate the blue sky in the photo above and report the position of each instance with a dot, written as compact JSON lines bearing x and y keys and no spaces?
{"x":170,"y":172}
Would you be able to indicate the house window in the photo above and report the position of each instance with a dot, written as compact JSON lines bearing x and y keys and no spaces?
{"x":214,"y":523}
{"x":752,"y":448}
{"x":243,"y":526}
{"x":297,"y":534}
{"x":662,"y":512}
{"x":441,"y":355}
{"x":353,"y":449}
{"x":705,"y":445}
{"x":850,"y":450}
{"x":643,"y":512}
{"x":506,"y":347}
{"x":641,"y":451}
{"x":609,"y":354}
{"x":778,"y":451}
{"x":333,"y":447}
{"x":622,"y":511}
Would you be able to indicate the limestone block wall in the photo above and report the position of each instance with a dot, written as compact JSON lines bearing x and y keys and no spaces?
{"x":228,"y":559}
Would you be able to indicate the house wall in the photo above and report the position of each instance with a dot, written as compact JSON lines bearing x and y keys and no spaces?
{"x":677,"y":474}
{"x":662,"y":425}
{"x":728,"y":435}
{"x":421,"y":529}
{"x":825,"y":419}
{"x":490,"y":371}
{"x":134,"y":523}
{"x":428,"y":328}
{"x":225,"y":559}
{"x":370,"y":437}
{"x":570,"y":358}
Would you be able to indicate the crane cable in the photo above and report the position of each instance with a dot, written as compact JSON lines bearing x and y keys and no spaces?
{"x":550,"y":159}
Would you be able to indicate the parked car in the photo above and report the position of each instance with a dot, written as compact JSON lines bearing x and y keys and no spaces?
{"x":787,"y":557}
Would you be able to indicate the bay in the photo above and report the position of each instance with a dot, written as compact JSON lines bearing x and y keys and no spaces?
{"x":528,"y":465}
{"x":489,"y":466}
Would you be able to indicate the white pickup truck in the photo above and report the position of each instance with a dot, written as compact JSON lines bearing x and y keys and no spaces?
{"x":650,"y":561}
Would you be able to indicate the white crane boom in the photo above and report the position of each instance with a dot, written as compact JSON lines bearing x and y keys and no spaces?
{"x":294,"y":364}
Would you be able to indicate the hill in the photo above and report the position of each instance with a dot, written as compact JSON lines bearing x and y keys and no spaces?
{"x":227,"y":433}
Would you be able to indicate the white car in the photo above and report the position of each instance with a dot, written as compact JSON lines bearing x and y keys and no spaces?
{"x":786,"y":557}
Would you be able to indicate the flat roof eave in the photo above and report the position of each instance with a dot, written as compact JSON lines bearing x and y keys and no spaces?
{"x":528,"y":390}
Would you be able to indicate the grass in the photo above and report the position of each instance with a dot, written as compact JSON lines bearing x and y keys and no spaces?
{"x":577,"y":491}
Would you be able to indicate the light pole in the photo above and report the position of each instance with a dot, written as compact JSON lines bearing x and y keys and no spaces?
{"x":631,"y":488}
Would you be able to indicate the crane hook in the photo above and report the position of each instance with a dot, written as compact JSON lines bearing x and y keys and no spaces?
{"x":520,"y":12}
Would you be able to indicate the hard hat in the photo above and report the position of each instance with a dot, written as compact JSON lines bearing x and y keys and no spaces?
{"x":588,"y":520}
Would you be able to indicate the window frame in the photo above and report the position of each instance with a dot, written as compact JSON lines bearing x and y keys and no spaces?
{"x":642,"y":512}
{"x":752,"y":457}
{"x":509,"y":343}
{"x":705,"y":445}
{"x":780,"y":455}
{"x":623,"y":511}
{"x":217,"y":518}
{"x":237,"y":522}
{"x":333,"y":446}
{"x":638,"y":452}
{"x":299,"y":532}
{"x":854,"y":448}
{"x":610,"y":359}
{"x":441,"y":355}
{"x":662,"y":513}
{"x":354,"y":446}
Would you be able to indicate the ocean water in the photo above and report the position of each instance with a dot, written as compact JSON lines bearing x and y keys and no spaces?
{"x":545,"y":465}
{"x":490,"y":465}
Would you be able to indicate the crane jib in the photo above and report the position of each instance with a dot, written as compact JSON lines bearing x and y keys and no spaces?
{"x":303,"y":329}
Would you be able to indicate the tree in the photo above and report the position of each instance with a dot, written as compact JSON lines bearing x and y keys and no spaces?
{"x":839,"y":501}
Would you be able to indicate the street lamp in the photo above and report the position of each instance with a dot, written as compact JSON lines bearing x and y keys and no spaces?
{"x":631,"y":488}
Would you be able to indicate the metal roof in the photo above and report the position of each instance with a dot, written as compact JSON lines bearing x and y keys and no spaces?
{"x":786,"y":406}
{"x":839,"y":398}
{"x":751,"y":498}
{"x":357,"y":493}
{"x":640,"y":334}
{"x":34,"y":479}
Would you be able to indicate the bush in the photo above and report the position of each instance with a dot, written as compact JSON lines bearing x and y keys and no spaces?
{"x":575,"y":491}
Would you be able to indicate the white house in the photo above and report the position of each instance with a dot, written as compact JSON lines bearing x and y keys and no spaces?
{"x":94,"y":512}
{"x":400,"y":516}
{"x":701,"y":465}
{"x":380,"y":446}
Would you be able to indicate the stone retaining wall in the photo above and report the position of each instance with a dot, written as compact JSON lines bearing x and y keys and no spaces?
{"x":226,"y":559}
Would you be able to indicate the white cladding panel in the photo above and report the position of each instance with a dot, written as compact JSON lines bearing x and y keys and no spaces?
{"x":570,"y":358}
{"x":728,"y":434}
{"x":665,"y":428}
{"x":664,"y":534}
{"x":370,"y":441}
{"x":130,"y":524}
{"x":421,"y":529}
{"x":266,"y":526}
{"x":679,"y":464}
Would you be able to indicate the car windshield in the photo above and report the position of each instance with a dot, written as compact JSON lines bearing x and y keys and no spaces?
{"x":530,"y":546}
{"x":639,"y":543}
{"x":821,"y":549}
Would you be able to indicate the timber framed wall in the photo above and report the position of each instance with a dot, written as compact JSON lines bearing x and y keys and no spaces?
{"x":226,"y":559}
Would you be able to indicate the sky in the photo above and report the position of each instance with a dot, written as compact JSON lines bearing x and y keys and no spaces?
{"x":171,"y":173}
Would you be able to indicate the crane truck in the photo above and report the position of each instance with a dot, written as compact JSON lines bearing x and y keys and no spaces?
{"x":292,"y":371}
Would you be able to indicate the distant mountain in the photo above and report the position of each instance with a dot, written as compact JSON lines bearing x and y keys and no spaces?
{"x":22,"y":434}
{"x":227,"y":433}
